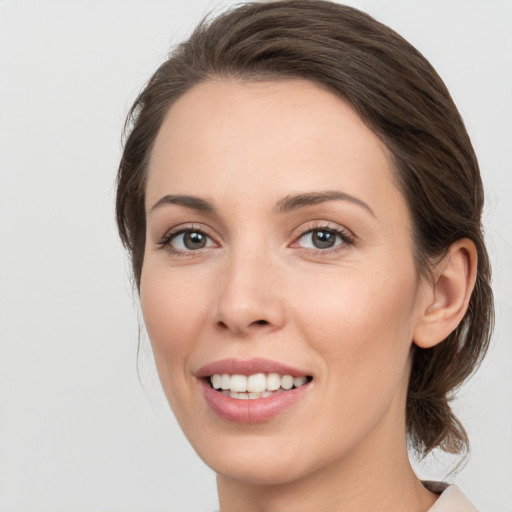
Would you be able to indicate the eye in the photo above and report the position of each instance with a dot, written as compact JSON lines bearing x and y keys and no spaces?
{"x":323,"y":239}
{"x":188,"y":240}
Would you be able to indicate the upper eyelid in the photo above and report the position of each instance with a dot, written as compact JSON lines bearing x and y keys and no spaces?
{"x":319,"y":225}
{"x":184,"y":227}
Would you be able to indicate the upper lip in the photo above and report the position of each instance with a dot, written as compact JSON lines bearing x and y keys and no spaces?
{"x":248,"y":367}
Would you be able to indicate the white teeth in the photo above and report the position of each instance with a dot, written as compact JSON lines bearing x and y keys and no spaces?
{"x":238,"y":383}
{"x":299,"y":381}
{"x":225,"y":381}
{"x":216,"y":381}
{"x":287,"y":382}
{"x":273,"y":382}
{"x":255,"y":386}
{"x":256,"y":383}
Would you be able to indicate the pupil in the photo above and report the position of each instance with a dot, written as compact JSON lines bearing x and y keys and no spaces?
{"x":323,"y":239}
{"x":194,"y":240}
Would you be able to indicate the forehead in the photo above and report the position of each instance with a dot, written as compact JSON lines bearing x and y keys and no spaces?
{"x":268,"y":139}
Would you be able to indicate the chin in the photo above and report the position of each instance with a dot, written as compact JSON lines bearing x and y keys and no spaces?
{"x":258,"y":459}
{"x":257,"y":472}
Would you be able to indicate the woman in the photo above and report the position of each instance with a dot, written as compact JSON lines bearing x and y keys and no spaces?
{"x":301,"y":204}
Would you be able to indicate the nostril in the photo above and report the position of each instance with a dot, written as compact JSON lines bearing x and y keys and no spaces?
{"x":241,"y":327}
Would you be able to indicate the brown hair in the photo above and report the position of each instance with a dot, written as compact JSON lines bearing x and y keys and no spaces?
{"x":402,"y":99}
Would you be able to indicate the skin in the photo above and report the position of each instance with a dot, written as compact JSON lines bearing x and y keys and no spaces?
{"x":347,"y":315}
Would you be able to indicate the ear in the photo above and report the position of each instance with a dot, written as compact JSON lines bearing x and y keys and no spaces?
{"x":448,"y":294}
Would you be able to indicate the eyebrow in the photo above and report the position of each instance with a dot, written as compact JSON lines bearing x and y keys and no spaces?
{"x":192,"y":202}
{"x":287,"y":204}
{"x":294,"y":202}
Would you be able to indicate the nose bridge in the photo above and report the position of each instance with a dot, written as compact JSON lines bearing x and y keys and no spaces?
{"x":248,"y":298}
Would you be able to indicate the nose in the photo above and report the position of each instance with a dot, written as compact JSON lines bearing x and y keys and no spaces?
{"x":249,"y":297}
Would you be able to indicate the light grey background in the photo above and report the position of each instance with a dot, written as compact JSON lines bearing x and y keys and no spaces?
{"x":77,"y":431}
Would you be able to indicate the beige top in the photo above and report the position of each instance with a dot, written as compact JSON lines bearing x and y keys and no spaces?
{"x":450,"y":500}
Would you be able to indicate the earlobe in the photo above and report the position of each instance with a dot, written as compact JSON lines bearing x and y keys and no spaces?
{"x":449,"y":294}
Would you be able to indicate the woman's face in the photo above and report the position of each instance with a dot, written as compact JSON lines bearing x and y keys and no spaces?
{"x":278,"y":243}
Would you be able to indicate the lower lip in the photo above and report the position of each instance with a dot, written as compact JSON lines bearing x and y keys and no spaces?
{"x":255,"y":410}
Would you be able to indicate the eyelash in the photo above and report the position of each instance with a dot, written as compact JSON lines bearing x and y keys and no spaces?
{"x":347,"y":239}
{"x":165,"y":242}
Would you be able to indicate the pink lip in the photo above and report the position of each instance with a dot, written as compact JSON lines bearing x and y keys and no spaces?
{"x":248,"y":367}
{"x":249,"y":411}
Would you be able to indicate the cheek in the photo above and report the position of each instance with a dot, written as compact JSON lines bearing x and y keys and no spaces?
{"x":361,"y":328}
{"x":363,"y":322}
{"x":174,"y":315}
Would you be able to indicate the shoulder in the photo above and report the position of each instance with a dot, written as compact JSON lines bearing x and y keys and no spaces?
{"x":451,"y":499}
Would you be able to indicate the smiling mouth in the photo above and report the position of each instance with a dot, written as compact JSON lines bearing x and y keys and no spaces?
{"x":258,"y":385}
